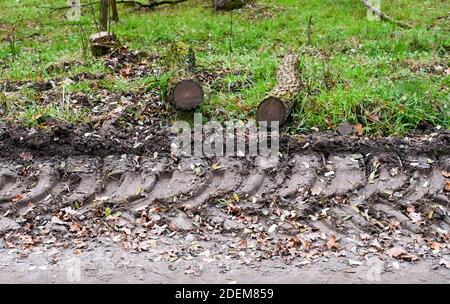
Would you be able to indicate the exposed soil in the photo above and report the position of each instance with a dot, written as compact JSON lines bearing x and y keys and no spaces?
{"x":114,"y":205}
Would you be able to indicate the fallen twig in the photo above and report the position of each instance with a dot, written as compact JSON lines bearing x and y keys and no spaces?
{"x":142,"y":5}
{"x":382,"y":15}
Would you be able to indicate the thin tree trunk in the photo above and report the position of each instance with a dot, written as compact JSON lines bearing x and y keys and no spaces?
{"x":104,"y":7}
{"x":114,"y":13}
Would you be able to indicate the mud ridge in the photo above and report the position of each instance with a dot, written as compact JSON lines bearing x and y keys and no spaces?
{"x":321,"y":186}
{"x":340,"y":181}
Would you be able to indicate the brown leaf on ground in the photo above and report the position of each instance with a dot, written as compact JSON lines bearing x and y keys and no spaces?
{"x":408,"y":257}
{"x":18,"y":197}
{"x":411,"y":209}
{"x":400,"y":253}
{"x":331,"y":243}
{"x":306,"y":244}
{"x":435,"y":246}
{"x":375,"y":117}
{"x":26,"y":156}
{"x":359,"y":129}
{"x":242,"y":244}
{"x":10,"y":245}
{"x":445,"y":173}
{"x":395,"y":252}
{"x":447,"y":187}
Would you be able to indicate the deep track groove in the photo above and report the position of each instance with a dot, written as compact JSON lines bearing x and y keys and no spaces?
{"x":333,"y":191}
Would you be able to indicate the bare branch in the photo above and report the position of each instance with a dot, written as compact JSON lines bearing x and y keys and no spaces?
{"x":382,"y":15}
{"x":150,"y":5}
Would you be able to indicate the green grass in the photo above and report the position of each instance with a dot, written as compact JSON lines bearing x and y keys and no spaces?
{"x":35,"y":115}
{"x":354,"y":70}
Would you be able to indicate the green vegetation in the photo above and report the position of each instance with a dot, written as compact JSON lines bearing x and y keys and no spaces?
{"x":387,"y":78}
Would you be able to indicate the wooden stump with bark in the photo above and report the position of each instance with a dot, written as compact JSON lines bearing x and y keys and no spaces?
{"x":228,"y":5}
{"x":279,"y":102}
{"x":184,"y":90}
{"x":103,"y":43}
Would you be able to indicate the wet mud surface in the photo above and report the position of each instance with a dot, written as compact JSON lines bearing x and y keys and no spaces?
{"x":114,"y":206}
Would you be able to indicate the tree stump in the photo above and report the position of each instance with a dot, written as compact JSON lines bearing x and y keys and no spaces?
{"x":184,"y":91}
{"x":228,"y":5}
{"x":278,"y":104}
{"x":187,"y":94}
{"x":102,"y":43}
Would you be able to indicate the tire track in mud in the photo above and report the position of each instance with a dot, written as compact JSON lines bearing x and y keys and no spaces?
{"x":339,"y":193}
{"x":320,"y":184}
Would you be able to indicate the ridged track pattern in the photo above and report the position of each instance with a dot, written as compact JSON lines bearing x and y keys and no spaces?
{"x":357,"y":193}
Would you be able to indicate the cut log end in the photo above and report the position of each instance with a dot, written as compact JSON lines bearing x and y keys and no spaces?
{"x":272,"y":109}
{"x":187,"y":94}
{"x":280,"y":101}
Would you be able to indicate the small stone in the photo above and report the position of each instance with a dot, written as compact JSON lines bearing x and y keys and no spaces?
{"x":183,"y":222}
{"x":232,"y":225}
{"x":272,"y":228}
{"x":329,"y":174}
{"x":58,"y":229}
{"x":7,"y":224}
{"x":345,"y":128}
{"x":396,"y":265}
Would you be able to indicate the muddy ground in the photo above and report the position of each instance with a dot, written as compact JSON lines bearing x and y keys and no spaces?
{"x":79,"y":204}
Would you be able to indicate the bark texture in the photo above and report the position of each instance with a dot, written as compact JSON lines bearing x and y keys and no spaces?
{"x":278,"y":104}
{"x":114,"y":12}
{"x":104,"y":7}
{"x":103,"y":43}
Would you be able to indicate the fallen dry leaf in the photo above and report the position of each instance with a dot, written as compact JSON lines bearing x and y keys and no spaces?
{"x":242,"y":243}
{"x":359,"y":129}
{"x":435,"y":246}
{"x":331,"y":243}
{"x":445,"y":173}
{"x":216,"y":166}
{"x":18,"y":197}
{"x":400,"y":253}
{"x":395,"y":252}
{"x":236,"y":197}
{"x":10,"y":245}
{"x":306,"y":244}
{"x":373,"y":117}
{"x":26,"y":156}
{"x":411,"y":209}
{"x":447,"y":186}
